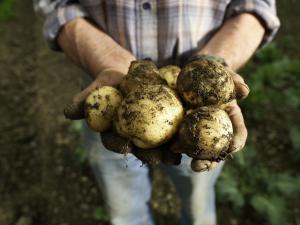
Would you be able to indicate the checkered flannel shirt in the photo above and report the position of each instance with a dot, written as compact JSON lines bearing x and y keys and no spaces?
{"x":161,"y":30}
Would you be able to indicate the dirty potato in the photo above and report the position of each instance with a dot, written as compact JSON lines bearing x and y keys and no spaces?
{"x":205,"y":82}
{"x":100,"y":107}
{"x":149,"y":116}
{"x":206,"y":133}
{"x":141,"y":72}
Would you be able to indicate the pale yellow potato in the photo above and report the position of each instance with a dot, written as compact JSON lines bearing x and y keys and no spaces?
{"x":140,"y":73}
{"x":149,"y":116}
{"x":100,"y":107}
{"x":170,"y":73}
{"x":205,"y":82}
{"x":206,"y":133}
{"x":199,"y":165}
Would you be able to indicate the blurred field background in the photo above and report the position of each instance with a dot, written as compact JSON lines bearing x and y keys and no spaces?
{"x":44,"y":175}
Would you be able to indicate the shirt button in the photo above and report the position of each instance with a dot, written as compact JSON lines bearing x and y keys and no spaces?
{"x":146,"y":6}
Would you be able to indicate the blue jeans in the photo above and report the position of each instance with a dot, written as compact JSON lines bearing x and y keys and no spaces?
{"x":126,"y":186}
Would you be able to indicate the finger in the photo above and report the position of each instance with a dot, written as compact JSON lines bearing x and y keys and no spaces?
{"x":149,"y":156}
{"x":175,"y":147}
{"x":114,"y":142}
{"x":239,"y":128}
{"x":171,"y":158}
{"x":75,"y":110}
{"x":241,"y":88}
{"x":199,"y":165}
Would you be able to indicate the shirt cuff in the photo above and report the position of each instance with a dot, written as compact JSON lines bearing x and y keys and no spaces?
{"x":264,"y":10}
{"x":57,"y":19}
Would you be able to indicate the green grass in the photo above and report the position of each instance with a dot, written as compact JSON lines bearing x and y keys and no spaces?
{"x":262,"y":181}
{"x":6,"y":10}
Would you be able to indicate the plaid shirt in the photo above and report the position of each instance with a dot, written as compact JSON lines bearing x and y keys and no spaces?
{"x":161,"y":30}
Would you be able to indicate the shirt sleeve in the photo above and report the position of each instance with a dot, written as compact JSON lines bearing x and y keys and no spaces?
{"x":58,"y":13}
{"x":264,"y":10}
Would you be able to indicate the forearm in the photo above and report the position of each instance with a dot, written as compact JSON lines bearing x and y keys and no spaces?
{"x":92,"y":49}
{"x":236,"y":41}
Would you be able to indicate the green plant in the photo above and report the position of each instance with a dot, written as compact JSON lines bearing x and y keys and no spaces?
{"x":100,"y":214}
{"x":261,"y":179}
{"x":81,"y":154}
{"x":6,"y":9}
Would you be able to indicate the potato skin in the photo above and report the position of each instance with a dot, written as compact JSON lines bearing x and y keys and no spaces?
{"x":141,"y":72}
{"x":205,"y":82}
{"x":100,"y":107}
{"x":170,"y":73}
{"x":206,"y":133}
{"x":149,"y":116}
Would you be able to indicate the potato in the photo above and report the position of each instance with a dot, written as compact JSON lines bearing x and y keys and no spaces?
{"x":149,"y":116}
{"x":100,"y":107}
{"x":198,"y":165}
{"x":141,"y":72}
{"x":205,"y":82}
{"x":206,"y":133}
{"x":170,"y":73}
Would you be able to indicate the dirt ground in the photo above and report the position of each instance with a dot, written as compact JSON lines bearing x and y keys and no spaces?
{"x":43,"y":179}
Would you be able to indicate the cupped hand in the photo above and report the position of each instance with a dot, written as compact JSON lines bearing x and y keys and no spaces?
{"x":239,"y":128}
{"x":235,"y":114}
{"x":109,"y":77}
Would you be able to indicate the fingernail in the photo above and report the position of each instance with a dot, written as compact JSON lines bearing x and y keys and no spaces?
{"x":243,"y":94}
{"x":246,"y":86}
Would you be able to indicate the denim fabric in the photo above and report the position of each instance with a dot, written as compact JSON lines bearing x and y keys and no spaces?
{"x":126,"y":186}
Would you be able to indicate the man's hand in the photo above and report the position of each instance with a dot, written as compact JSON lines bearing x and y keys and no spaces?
{"x":237,"y":120}
{"x":108,"y":77}
{"x":235,"y":113}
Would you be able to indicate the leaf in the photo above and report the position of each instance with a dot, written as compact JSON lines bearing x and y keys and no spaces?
{"x":100,"y":214}
{"x":285,"y":184}
{"x":269,"y":53}
{"x":6,"y":10}
{"x":75,"y":126}
{"x":228,"y":191}
{"x":81,"y":154}
{"x":272,"y":208}
{"x":295,"y":139}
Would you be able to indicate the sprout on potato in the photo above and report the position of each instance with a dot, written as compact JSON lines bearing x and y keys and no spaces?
{"x":206,"y":133}
{"x":205,"y":82}
{"x":149,"y":116}
{"x":100,"y":107}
